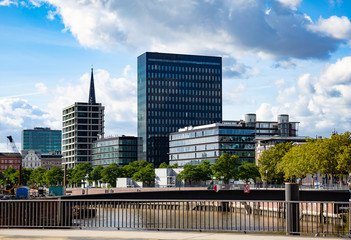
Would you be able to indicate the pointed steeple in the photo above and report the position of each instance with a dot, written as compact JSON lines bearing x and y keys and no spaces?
{"x":92,"y":89}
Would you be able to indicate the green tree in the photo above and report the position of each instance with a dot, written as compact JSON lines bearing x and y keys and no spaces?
{"x":165,"y":165}
{"x":203,"y":171}
{"x":248,"y":171}
{"x":111,"y":173}
{"x":25,"y":175}
{"x":2,"y":179}
{"x":69,"y":175}
{"x":145,"y":174}
{"x":226,"y":167}
{"x":269,"y":160}
{"x":79,"y":173}
{"x":188,"y":174}
{"x":95,"y":175}
{"x":37,"y":177}
{"x":54,"y":176}
{"x":12,"y":175}
{"x":133,"y":167}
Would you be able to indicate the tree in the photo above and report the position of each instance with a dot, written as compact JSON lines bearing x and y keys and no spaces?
{"x":25,"y":175}
{"x":248,"y":171}
{"x":111,"y":173}
{"x":133,"y":167}
{"x":37,"y":177}
{"x":203,"y":171}
{"x":188,"y":173}
{"x":165,"y":165}
{"x":79,"y":173}
{"x":145,"y":175}
{"x":270,"y":158}
{"x":2,"y":179}
{"x":226,"y":167}
{"x":12,"y":175}
{"x":95,"y":175}
{"x":54,"y":176}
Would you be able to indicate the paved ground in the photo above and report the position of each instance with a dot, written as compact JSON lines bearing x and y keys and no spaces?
{"x":26,"y":234}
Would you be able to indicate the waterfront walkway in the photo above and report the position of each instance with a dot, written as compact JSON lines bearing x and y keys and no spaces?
{"x":41,"y":234}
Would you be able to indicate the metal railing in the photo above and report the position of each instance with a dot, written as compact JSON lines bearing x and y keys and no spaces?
{"x":317,"y":218}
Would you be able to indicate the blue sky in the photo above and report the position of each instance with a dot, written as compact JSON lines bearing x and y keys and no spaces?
{"x":279,"y":57}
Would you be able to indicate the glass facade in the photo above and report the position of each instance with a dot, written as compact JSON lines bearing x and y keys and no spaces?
{"x":194,"y":145}
{"x":175,"y":91}
{"x":43,"y":139}
{"x":120,"y":150}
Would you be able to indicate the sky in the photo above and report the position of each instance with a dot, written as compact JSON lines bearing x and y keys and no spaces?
{"x":279,"y":57}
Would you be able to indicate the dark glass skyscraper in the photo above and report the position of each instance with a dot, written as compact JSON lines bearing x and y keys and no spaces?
{"x":175,"y":91}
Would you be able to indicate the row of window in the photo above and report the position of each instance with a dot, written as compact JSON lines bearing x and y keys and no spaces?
{"x":201,"y":133}
{"x":175,"y":117}
{"x":182,"y":92}
{"x":10,"y":161}
{"x":194,"y":148}
{"x":114,"y":155}
{"x":202,"y":155}
{"x":115,"y":142}
{"x":184,"y":69}
{"x":184,"y":76}
{"x":185,"y":91}
{"x":190,"y":107}
{"x":114,"y":149}
{"x":179,"y":123}
{"x":168,"y":106}
{"x":166,"y":83}
{"x":5,"y":167}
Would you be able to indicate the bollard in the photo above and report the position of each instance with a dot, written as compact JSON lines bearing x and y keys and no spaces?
{"x":292,"y":210}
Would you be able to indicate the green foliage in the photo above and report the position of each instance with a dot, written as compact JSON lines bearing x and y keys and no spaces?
{"x":133,"y":167}
{"x":12,"y":175}
{"x":79,"y":173}
{"x":25,"y":175}
{"x":111,"y":173}
{"x":226,"y":167}
{"x":2,"y":179}
{"x":37,"y":177}
{"x":165,"y":165}
{"x":188,"y":173}
{"x":200,"y":172}
{"x":270,"y":159}
{"x":145,"y":174}
{"x":95,"y":175}
{"x":248,"y":171}
{"x":54,"y":176}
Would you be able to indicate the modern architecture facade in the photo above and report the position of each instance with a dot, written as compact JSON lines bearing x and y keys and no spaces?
{"x":192,"y":145}
{"x":175,"y":91}
{"x":10,"y":160}
{"x":282,"y":127}
{"x":120,"y":150}
{"x":82,"y":124}
{"x":43,"y":139}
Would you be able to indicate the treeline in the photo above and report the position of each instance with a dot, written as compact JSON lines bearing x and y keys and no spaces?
{"x":225,"y":168}
{"x":286,"y":162}
{"x":39,"y":176}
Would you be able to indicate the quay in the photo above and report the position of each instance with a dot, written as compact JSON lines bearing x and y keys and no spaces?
{"x":110,"y":234}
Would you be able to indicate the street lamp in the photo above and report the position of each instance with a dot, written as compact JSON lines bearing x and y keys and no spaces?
{"x":266,"y":178}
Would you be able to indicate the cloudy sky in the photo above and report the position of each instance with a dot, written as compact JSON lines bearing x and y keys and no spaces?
{"x":279,"y":57}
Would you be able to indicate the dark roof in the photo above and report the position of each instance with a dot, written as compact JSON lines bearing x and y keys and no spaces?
{"x":11,"y":155}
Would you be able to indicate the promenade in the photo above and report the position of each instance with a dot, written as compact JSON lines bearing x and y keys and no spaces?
{"x":106,"y":235}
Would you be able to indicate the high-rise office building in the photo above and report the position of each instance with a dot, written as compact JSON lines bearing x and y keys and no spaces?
{"x":43,"y":139}
{"x":82,"y":124}
{"x":175,"y":91}
{"x":120,"y":150}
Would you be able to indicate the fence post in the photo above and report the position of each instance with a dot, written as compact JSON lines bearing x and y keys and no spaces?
{"x":292,"y":210}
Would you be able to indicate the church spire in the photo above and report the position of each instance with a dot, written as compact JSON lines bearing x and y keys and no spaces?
{"x":92,"y":89}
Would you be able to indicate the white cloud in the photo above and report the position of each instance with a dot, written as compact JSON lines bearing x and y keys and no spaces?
{"x":291,"y":3}
{"x":321,"y":103}
{"x":118,"y":95}
{"x":51,"y":15}
{"x":229,"y":27}
{"x":8,"y":2}
{"x":41,"y":87}
{"x":337,"y":27}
